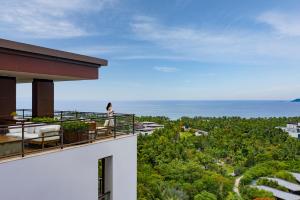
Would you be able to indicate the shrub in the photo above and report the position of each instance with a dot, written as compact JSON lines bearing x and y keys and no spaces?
{"x":175,"y":194}
{"x":272,"y":184}
{"x":264,"y":169}
{"x":44,"y":120}
{"x":205,"y":196}
{"x":250,"y":193}
{"x":75,"y":126}
{"x":286,"y":176}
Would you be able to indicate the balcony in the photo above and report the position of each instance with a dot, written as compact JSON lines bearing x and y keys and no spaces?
{"x":26,"y":136}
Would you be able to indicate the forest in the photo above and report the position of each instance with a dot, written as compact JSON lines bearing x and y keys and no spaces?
{"x":176,"y":164}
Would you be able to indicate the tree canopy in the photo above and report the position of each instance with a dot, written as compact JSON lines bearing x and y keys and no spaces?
{"x":176,"y":164}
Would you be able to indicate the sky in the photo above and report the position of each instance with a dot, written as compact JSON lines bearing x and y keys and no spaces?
{"x":167,"y":49}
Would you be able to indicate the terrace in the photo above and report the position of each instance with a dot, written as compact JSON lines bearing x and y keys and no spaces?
{"x":27,"y":135}
{"x":41,"y":128}
{"x":64,"y":140}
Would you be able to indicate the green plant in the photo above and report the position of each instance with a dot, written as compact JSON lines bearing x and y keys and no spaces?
{"x":75,"y":126}
{"x":286,"y":176}
{"x":252,"y":147}
{"x":204,"y":195}
{"x":44,"y":120}
{"x":250,"y":193}
{"x":271,"y":183}
{"x":13,"y":114}
{"x":233,"y":196}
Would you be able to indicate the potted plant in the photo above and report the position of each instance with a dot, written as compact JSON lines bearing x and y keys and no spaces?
{"x":75,"y":131}
{"x":14,"y":115}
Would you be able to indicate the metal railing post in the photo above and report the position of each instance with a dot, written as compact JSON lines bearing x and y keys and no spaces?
{"x":89,"y":135}
{"x":115,"y":126}
{"x":61,"y":115}
{"x":61,"y":136}
{"x":23,"y":113}
{"x":23,"y":143}
{"x":133,"y":123}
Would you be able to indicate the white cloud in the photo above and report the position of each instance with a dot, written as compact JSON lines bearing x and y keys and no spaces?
{"x":97,"y":50}
{"x":46,"y":18}
{"x":124,"y":52}
{"x":284,"y":23}
{"x":166,"y":69}
{"x":221,"y":46}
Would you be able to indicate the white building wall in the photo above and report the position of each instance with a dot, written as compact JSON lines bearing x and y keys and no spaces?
{"x":293,"y":134}
{"x":291,"y":126}
{"x":71,"y":174}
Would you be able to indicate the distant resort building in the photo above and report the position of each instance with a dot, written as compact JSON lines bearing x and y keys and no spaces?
{"x":147,"y":128}
{"x":201,"y":133}
{"x":278,"y":193}
{"x":197,"y":132}
{"x":293,"y":188}
{"x":293,"y":129}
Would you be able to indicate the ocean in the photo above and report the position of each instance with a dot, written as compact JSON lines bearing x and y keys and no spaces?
{"x":175,"y":109}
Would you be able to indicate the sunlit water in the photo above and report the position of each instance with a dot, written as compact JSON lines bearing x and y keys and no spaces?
{"x":176,"y":109}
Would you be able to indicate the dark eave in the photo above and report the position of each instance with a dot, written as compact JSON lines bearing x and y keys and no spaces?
{"x":32,"y":49}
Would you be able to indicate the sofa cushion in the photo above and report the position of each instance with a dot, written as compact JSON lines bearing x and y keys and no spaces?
{"x":15,"y":129}
{"x":35,"y":133}
{"x":31,"y":135}
{"x":47,"y":129}
{"x":26,"y":135}
{"x":30,"y":130}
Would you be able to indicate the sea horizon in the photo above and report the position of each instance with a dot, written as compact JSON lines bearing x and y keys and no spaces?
{"x":175,"y":109}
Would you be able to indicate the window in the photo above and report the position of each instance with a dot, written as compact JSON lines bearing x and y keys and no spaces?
{"x":104,"y":178}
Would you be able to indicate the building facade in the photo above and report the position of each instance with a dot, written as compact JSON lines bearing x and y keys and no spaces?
{"x":54,"y":160}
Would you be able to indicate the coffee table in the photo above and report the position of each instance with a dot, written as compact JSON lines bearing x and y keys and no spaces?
{"x":10,"y":145}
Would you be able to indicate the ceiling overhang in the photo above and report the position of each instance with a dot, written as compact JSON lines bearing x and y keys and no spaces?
{"x":28,"y":62}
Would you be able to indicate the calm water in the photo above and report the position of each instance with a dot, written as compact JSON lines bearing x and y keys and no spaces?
{"x":176,"y":109}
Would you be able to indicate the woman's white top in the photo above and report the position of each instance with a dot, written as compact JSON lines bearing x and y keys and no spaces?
{"x":110,"y":112}
{"x":110,"y":122}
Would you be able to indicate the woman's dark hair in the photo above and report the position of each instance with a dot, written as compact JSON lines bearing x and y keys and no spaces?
{"x":108,"y":105}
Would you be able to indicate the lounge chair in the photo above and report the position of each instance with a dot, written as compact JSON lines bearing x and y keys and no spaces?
{"x":37,"y":134}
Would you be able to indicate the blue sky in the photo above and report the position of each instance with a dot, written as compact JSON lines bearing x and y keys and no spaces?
{"x":167,"y":49}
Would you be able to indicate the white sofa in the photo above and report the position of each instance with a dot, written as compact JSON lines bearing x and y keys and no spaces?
{"x":36,"y":133}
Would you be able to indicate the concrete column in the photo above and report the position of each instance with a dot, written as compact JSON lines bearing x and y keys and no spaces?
{"x":42,"y":98}
{"x":7,"y":97}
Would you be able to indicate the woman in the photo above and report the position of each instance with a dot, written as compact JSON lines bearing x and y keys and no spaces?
{"x":110,"y":115}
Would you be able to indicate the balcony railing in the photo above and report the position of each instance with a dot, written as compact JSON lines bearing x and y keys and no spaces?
{"x":26,"y":135}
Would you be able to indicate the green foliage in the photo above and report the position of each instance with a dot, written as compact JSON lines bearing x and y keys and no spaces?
{"x":233,"y":196}
{"x":205,"y":196}
{"x":271,"y":168}
{"x":174,"y":194}
{"x":13,"y":114}
{"x":286,"y":176}
{"x":271,"y":183}
{"x":160,"y":119}
{"x":268,"y":168}
{"x":44,"y":120}
{"x":250,"y":193}
{"x":75,"y":126}
{"x":172,"y":164}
